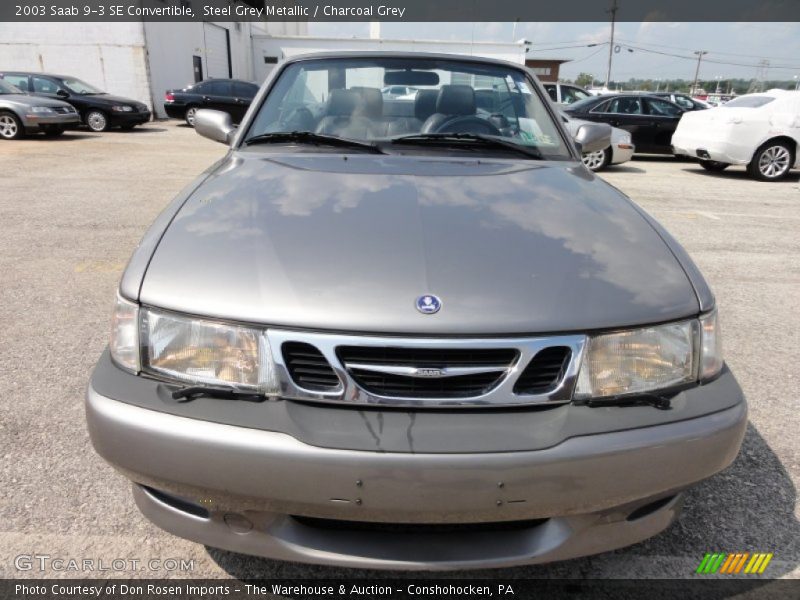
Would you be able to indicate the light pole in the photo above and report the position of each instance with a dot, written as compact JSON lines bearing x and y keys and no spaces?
{"x":797,"y":85}
{"x":613,"y":12}
{"x":699,"y":54}
{"x":719,"y":81}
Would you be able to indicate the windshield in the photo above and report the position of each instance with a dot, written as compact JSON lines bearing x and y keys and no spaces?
{"x":749,"y":102}
{"x":361,"y":99}
{"x":76,"y":86}
{"x":7,"y":88}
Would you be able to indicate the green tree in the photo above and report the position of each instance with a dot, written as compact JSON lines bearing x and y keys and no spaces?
{"x":584,"y":80}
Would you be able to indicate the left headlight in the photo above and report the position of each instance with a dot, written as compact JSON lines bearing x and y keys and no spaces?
{"x":650,"y":358}
{"x":122,"y":108}
{"x":41,"y":109}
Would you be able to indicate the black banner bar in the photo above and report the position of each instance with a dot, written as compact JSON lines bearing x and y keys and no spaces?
{"x":400,"y":10}
{"x":400,"y":588}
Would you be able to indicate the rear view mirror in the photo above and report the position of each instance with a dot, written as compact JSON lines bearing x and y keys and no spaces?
{"x":215,"y":125}
{"x":592,"y":137}
{"x":410,"y":77}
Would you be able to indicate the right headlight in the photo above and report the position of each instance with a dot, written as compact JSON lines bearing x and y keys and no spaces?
{"x":647,"y":359}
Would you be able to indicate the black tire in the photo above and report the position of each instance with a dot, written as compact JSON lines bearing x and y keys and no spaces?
{"x":714,"y":165}
{"x":10,"y":126}
{"x":96,"y":120}
{"x":772,"y":161}
{"x":595,"y":162}
{"x":188,"y":116}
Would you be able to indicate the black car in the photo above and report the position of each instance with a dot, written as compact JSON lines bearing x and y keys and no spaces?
{"x":98,"y":110}
{"x":232,"y":96}
{"x":651,"y":121}
{"x":685,"y":101}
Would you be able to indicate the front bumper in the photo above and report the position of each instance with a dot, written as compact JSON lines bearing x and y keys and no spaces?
{"x":33,"y":122}
{"x":116,"y":119}
{"x":251,"y":483}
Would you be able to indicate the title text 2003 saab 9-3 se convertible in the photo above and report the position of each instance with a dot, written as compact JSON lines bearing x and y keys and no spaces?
{"x":410,"y":333}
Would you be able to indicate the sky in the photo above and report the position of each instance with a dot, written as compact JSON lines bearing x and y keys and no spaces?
{"x":744,"y":44}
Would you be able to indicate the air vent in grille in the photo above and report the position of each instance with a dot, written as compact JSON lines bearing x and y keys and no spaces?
{"x":370,"y":367}
{"x":308,"y":368}
{"x":544,"y":372}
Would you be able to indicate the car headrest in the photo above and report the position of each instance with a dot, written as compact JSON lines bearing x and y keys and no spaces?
{"x":425,"y":103}
{"x":456,"y":100}
{"x":371,"y":101}
{"x":341,"y":103}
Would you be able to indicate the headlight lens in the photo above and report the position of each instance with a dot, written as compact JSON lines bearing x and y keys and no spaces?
{"x":41,"y":109}
{"x":638,"y":360}
{"x":124,"y":344}
{"x":206,"y":352}
{"x":122,"y":108}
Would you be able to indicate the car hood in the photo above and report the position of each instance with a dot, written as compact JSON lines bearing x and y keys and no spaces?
{"x":28,"y":100}
{"x":348,"y":243}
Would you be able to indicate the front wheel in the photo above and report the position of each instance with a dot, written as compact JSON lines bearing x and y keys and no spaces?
{"x":10,"y":126}
{"x":771,"y":161}
{"x":597,"y":161}
{"x":97,"y":121}
{"x":714,"y":165}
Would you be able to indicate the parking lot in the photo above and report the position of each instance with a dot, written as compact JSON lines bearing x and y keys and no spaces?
{"x":71,"y":212}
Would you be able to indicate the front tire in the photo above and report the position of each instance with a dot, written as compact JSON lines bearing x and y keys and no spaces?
{"x":190,"y":115}
{"x":97,"y":121}
{"x":10,"y":126}
{"x":597,"y":161}
{"x":714,"y":165}
{"x":771,"y":161}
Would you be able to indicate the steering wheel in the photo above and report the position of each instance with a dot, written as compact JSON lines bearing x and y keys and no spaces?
{"x":467,"y":124}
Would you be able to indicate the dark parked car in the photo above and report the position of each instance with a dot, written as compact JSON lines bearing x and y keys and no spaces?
{"x":685,"y":101}
{"x":420,"y":337}
{"x":651,"y":121}
{"x":228,"y":95}
{"x":98,"y":110}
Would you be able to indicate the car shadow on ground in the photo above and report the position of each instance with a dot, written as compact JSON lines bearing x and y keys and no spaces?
{"x":749,"y":507}
{"x":67,"y":136}
{"x":623,"y":169}
{"x":739,"y":173}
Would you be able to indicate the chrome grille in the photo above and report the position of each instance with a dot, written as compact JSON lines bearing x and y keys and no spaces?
{"x":426,"y":372}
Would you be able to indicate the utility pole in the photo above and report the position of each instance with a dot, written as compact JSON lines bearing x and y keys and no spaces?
{"x":613,"y":12}
{"x":700,"y":54}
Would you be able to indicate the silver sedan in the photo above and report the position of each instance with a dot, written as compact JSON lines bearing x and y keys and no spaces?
{"x":621,"y":149}
{"x":21,"y":113}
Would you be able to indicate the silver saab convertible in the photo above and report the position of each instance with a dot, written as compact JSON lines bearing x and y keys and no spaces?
{"x":411,"y":333}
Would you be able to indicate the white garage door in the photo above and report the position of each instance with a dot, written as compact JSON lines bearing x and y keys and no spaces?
{"x":216,"y":51}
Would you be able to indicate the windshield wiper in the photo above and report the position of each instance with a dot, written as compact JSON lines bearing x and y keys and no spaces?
{"x":468,"y":138}
{"x":188,"y":393}
{"x":308,"y":137}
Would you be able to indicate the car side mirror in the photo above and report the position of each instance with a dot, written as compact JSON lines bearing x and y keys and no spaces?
{"x":592,"y":137}
{"x":62,"y":93}
{"x":215,"y":125}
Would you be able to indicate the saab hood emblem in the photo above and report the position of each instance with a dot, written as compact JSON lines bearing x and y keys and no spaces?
{"x":428,"y":304}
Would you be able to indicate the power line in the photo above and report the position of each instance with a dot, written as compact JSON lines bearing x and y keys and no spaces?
{"x":712,"y":51}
